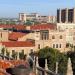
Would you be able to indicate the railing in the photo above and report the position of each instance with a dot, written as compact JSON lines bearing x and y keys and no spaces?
{"x":42,"y":71}
{"x":39,"y":70}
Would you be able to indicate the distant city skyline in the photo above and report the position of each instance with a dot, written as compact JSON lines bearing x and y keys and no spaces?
{"x":11,"y":8}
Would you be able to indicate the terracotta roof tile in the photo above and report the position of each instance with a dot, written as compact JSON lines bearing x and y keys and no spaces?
{"x":15,"y":35}
{"x":11,"y":63}
{"x":18,"y":44}
{"x":5,"y":26}
{"x":43,"y":27}
{"x":18,"y":27}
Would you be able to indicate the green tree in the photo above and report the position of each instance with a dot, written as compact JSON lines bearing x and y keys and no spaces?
{"x":14,"y":55}
{"x":28,"y":22}
{"x":12,"y":22}
{"x":52,"y":56}
{"x":7,"y":53}
{"x":36,"y":23}
{"x":3,"y":51}
{"x":62,"y":67}
{"x":7,"y":22}
{"x":21,"y":54}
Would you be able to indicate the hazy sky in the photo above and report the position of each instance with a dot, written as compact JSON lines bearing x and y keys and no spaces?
{"x":11,"y":8}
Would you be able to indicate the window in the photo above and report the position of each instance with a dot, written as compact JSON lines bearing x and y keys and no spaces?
{"x":38,"y":46}
{"x":1,"y":35}
{"x":60,"y":45}
{"x":53,"y":45}
{"x":56,"y":45}
{"x":44,"y":35}
{"x":60,"y":36}
{"x":53,"y":37}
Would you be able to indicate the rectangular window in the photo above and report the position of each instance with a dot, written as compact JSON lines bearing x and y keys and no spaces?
{"x":53,"y":37}
{"x":60,"y":45}
{"x":1,"y":35}
{"x":44,"y":35}
{"x":60,"y":36}
{"x":56,"y":45}
{"x":38,"y":46}
{"x":53,"y":45}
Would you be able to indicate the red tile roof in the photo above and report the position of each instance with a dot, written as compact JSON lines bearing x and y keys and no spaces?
{"x":5,"y":26}
{"x":11,"y":63}
{"x":43,"y":27}
{"x":18,"y":44}
{"x":15,"y":35}
{"x":18,"y":27}
{"x":5,"y":64}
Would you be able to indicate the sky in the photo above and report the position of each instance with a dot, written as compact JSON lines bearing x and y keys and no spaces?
{"x":11,"y":8}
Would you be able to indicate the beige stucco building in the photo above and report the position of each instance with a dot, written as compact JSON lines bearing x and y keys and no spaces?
{"x":25,"y":16}
{"x":42,"y":36}
{"x":4,"y":35}
{"x":36,"y":17}
{"x":54,"y":39}
{"x":18,"y":46}
{"x":69,"y":28}
{"x":63,"y":26}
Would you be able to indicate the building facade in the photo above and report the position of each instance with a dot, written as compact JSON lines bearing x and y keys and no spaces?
{"x":66,"y":15}
{"x":51,"y":19}
{"x":69,"y":28}
{"x":54,"y":39}
{"x":4,"y":35}
{"x":17,"y":47}
{"x":43,"y":35}
{"x":23,"y":17}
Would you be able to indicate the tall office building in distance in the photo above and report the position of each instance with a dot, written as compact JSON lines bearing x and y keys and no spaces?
{"x":66,"y":15}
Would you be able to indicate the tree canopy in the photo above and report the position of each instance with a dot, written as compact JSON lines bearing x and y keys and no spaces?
{"x":53,"y":56}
